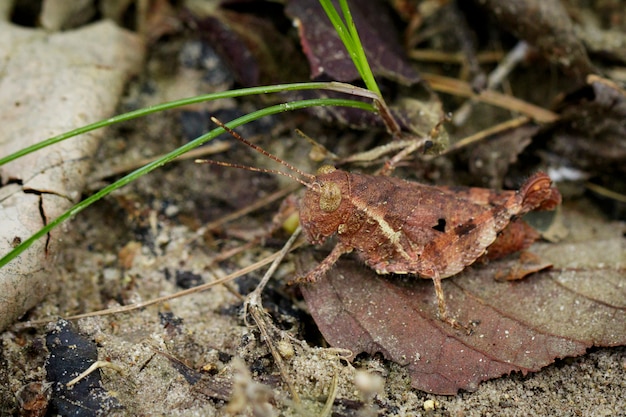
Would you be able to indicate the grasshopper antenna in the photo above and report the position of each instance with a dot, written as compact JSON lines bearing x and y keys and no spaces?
{"x":254,"y":169}
{"x":262,"y":151}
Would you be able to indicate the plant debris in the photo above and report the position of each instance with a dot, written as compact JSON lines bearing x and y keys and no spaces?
{"x":71,"y":354}
{"x":528,"y":105}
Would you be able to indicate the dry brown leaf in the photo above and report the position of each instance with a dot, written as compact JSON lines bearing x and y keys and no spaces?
{"x":592,"y":128}
{"x":51,"y":83}
{"x":58,"y":14}
{"x":547,"y":26}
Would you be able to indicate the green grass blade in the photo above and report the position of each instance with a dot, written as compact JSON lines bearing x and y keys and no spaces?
{"x":350,"y":37}
{"x":173,"y":155}
{"x":340,"y":27}
{"x":346,"y":88}
{"x":358,"y":53}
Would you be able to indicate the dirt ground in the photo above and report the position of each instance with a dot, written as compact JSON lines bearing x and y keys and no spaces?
{"x":199,"y":354}
{"x":196,"y":356}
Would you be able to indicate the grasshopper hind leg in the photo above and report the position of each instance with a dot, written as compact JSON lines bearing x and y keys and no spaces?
{"x":444,"y":315}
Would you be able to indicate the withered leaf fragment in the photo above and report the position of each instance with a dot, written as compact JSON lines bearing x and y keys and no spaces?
{"x":546,"y":25}
{"x":524,"y":325}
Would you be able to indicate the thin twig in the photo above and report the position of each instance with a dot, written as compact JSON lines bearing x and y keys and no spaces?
{"x":483,"y":134}
{"x":430,"y":55}
{"x":94,"y":366}
{"x":605,"y":192}
{"x":260,"y":203}
{"x":463,"y":89}
{"x":209,"y":149}
{"x":254,"y":306}
{"x":199,"y":288}
{"x":332,"y":394}
{"x":504,"y":68}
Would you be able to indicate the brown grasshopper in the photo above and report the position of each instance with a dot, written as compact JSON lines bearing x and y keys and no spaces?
{"x":402,"y":227}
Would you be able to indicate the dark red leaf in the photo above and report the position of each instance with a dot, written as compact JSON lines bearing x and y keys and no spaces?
{"x":327,"y":55}
{"x":522,"y":325}
{"x":252,"y":46}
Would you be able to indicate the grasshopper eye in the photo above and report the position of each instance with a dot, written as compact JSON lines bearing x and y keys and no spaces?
{"x":325,"y":169}
{"x":330,"y":197}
